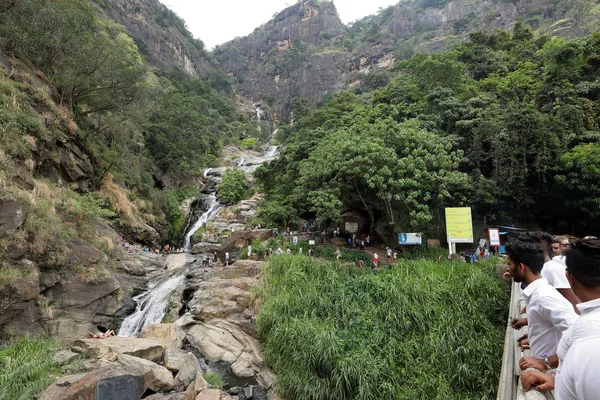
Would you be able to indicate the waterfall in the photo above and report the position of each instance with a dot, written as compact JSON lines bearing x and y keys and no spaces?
{"x":271,"y":151}
{"x":206,"y":172}
{"x":212,"y":210}
{"x":258,"y":114}
{"x":151,"y":306}
{"x":241,"y":162}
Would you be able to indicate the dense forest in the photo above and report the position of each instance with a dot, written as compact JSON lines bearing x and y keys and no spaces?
{"x":506,"y":123}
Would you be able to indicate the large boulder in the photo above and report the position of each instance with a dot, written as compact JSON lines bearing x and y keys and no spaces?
{"x":213,"y":394}
{"x":188,"y":371}
{"x":221,"y":340}
{"x":156,"y":377}
{"x":108,"y":383}
{"x":170,"y":335}
{"x":148,"y":349}
{"x":205,"y":247}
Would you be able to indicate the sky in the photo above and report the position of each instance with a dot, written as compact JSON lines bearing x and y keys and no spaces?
{"x":218,"y":21}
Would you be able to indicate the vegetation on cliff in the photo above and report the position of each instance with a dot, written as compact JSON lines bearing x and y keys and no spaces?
{"x":506,"y":123}
{"x":422,"y":330}
{"x":71,"y":78}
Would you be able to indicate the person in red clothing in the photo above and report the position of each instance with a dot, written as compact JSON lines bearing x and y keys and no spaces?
{"x":376,"y":261}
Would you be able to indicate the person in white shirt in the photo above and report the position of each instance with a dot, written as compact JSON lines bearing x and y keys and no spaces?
{"x":563,"y":245}
{"x":553,"y":271}
{"x":579,"y":348}
{"x":549,"y":314}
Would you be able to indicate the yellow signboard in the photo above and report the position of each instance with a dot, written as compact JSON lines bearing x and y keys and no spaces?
{"x":459,"y":224}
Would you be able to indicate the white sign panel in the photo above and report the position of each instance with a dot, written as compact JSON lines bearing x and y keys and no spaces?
{"x":409,"y":238}
{"x":351,"y":227}
{"x":494,"y":237}
{"x":295,"y":240}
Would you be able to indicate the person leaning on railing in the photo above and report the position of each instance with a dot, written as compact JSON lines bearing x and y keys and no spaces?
{"x":579,"y":349}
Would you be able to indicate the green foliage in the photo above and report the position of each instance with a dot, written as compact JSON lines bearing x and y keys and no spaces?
{"x":26,"y":368}
{"x":213,"y":379}
{"x":234,"y":187}
{"x":484,"y":125}
{"x":249,"y":143}
{"x":422,"y":330}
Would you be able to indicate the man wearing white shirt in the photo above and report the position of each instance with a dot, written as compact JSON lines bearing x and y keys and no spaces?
{"x":552,"y":271}
{"x":563,"y":245}
{"x":579,"y":348}
{"x":549,"y":314}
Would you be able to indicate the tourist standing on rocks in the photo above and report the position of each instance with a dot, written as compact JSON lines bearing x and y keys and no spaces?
{"x":249,"y":251}
{"x":226,"y":258}
{"x":579,"y":349}
{"x":376,"y":261}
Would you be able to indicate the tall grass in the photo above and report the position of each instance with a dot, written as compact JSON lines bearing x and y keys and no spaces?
{"x":26,"y":368}
{"x":423,"y":330}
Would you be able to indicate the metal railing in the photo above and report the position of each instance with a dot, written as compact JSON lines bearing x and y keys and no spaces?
{"x":510,"y":387}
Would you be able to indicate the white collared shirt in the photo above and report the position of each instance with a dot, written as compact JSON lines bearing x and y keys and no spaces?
{"x":554,"y":273}
{"x":549,"y":314}
{"x":578,"y":376}
{"x":561,"y":259}
{"x":588,"y":325}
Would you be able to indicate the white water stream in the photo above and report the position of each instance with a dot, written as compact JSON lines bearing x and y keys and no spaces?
{"x":151,"y":306}
{"x":213,"y":208}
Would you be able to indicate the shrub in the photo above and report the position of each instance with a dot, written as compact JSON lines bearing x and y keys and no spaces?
{"x":249,"y":143}
{"x":422,"y":330}
{"x":213,"y":379}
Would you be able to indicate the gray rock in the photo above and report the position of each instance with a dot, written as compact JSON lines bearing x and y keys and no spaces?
{"x":143,"y":348}
{"x":12,"y":216}
{"x":188,"y":371}
{"x":124,"y":387}
{"x":64,"y":357}
{"x":248,"y":392}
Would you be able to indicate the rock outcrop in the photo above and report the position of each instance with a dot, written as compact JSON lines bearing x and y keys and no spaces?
{"x":306,"y":52}
{"x":160,"y":35}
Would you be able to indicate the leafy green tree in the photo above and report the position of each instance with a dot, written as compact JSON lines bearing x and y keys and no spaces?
{"x":234,"y":187}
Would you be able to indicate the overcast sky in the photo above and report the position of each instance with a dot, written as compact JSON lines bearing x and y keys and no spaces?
{"x":218,"y":21}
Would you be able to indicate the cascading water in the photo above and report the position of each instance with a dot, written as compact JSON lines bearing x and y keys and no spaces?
{"x":271,"y":151}
{"x":258,"y":114}
{"x":151,"y":306}
{"x":212,"y":210}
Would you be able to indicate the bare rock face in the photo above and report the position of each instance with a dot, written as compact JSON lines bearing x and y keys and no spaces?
{"x":12,"y":216}
{"x":220,"y":321}
{"x":160,"y":35}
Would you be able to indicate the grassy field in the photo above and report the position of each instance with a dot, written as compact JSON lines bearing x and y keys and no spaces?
{"x":422,"y":330}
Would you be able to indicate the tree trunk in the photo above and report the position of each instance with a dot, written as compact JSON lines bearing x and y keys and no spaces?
{"x":369,"y":211}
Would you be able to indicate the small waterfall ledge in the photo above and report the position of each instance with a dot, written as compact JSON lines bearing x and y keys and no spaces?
{"x":151,"y":306}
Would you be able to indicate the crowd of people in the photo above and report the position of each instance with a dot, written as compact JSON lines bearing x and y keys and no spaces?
{"x":139,"y":249}
{"x":561,"y":289}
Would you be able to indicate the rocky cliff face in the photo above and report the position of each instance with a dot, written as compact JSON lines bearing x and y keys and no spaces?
{"x":160,"y":35}
{"x":305,"y":51}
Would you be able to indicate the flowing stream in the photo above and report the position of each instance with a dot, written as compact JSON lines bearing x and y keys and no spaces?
{"x":212,"y":210}
{"x":151,"y":306}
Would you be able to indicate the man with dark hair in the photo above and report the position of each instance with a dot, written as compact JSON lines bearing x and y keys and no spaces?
{"x":579,"y":348}
{"x":553,"y":271}
{"x":549,"y":314}
{"x":563,"y":246}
